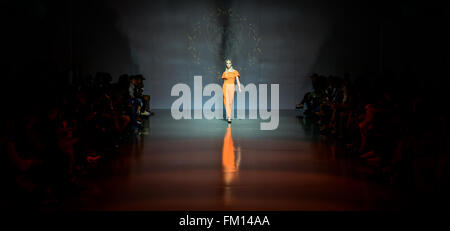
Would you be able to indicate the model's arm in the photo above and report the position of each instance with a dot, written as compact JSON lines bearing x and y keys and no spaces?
{"x":239,"y":83}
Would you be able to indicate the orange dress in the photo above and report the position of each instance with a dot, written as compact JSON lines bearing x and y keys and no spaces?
{"x":228,"y":89}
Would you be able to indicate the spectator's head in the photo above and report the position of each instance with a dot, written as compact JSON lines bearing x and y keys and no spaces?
{"x":53,"y":112}
{"x":98,"y":78}
{"x":107,"y":78}
{"x":123,"y":80}
{"x":338,"y":82}
{"x":133,"y":80}
{"x":139,"y":79}
{"x":89,"y":80}
{"x":102,"y":79}
{"x":314,"y":77}
{"x":80,"y":97}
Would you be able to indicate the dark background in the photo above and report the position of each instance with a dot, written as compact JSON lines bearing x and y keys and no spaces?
{"x":47,"y":44}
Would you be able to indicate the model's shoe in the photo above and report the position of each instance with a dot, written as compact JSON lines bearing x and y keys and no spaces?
{"x":229,"y":120}
{"x":145,"y":113}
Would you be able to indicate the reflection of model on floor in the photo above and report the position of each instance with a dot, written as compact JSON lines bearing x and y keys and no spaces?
{"x":231,"y":159}
{"x":229,"y":76}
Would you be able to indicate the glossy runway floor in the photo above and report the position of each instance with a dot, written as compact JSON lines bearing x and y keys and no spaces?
{"x":208,"y":165}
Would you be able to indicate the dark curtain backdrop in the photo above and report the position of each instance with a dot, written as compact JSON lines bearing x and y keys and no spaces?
{"x":270,"y":42}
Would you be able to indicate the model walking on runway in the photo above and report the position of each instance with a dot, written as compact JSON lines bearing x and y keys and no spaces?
{"x":228,"y":88}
